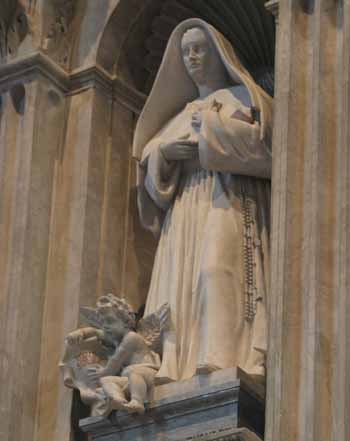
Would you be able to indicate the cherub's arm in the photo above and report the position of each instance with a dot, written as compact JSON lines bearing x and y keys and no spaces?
{"x":129,"y":345}
{"x":79,"y":335}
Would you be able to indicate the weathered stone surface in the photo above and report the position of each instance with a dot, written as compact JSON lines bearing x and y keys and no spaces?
{"x":50,"y":199}
{"x":309,"y":362}
{"x":205,"y":407}
{"x":191,"y":195}
{"x":114,"y":360}
{"x":14,"y":27}
{"x":68,"y":223}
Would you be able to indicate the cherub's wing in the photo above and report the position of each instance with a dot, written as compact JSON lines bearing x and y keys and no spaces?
{"x":92,"y":317}
{"x":152,"y":327}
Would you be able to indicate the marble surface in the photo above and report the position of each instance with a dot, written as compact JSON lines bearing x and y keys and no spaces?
{"x":113,"y":361}
{"x":67,"y":192}
{"x":205,"y":407}
{"x":204,"y":190}
{"x":309,"y":362}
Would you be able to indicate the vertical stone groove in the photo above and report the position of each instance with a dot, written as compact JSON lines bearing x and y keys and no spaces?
{"x":314,"y":375}
{"x":341,"y":378}
{"x":309,"y":330}
{"x":279,"y":228}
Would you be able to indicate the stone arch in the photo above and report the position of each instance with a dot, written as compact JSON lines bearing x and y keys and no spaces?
{"x":129,"y":49}
{"x":125,"y":15}
{"x":135,"y":36}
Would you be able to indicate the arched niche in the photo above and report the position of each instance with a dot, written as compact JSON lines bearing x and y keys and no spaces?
{"x":136,"y":35}
{"x":121,"y":25}
{"x":129,"y":47}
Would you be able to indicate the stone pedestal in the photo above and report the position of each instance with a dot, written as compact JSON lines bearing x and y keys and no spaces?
{"x":207,"y":407}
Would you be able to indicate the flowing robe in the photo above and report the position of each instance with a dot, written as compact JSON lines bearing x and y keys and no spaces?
{"x":211,"y":264}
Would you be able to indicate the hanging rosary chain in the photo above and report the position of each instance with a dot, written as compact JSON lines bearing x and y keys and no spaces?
{"x":249,"y":260}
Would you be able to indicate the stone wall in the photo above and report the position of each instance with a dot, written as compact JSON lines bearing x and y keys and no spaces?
{"x":68,"y":224}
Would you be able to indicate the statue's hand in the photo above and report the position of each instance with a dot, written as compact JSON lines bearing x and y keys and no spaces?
{"x":179,"y":150}
{"x":75,"y":337}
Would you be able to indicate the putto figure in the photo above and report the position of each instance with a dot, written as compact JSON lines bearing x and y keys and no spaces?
{"x":114,"y":362}
{"x":203,"y":145}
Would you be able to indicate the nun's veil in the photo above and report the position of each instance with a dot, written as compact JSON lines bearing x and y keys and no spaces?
{"x":174,"y":88}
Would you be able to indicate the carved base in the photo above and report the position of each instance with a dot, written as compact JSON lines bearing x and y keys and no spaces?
{"x":205,"y":408}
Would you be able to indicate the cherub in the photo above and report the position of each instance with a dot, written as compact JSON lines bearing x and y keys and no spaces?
{"x":134,"y":361}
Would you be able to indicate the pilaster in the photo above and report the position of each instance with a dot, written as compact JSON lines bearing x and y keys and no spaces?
{"x":65,"y":169}
{"x":308,"y":360}
{"x":28,"y":147}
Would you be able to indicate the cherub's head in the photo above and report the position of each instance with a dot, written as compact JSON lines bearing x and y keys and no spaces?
{"x":117,"y":316}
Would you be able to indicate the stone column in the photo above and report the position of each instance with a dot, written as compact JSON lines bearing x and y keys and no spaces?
{"x":309,"y":359}
{"x":29,"y":144}
{"x":52,"y":177}
{"x":78,"y":205}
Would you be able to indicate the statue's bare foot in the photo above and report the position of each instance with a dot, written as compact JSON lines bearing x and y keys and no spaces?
{"x":205,"y":369}
{"x":135,"y":406}
{"x":119,"y":404}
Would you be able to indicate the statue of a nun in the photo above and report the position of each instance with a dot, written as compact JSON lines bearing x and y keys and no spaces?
{"x":204,"y":164}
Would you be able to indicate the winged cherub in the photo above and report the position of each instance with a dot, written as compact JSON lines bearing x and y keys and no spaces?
{"x":134,"y":351}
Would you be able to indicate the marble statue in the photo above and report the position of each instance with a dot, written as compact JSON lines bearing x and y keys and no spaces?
{"x":203,"y":149}
{"x":113,"y":363}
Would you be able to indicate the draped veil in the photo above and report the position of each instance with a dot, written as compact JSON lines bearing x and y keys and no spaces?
{"x":166,"y":100}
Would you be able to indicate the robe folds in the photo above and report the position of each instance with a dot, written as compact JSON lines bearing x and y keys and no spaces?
{"x":212,"y":215}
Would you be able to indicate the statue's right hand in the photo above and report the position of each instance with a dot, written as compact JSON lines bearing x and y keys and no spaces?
{"x":180,"y":150}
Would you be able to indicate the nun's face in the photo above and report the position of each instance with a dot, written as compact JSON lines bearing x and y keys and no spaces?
{"x":198,"y":55}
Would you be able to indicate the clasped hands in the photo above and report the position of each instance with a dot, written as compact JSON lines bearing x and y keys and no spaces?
{"x":183,"y":148}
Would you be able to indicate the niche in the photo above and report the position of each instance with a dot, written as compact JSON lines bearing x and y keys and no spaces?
{"x":18,"y":94}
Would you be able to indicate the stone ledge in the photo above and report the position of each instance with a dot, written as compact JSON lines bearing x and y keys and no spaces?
{"x":203,"y":408}
{"x":241,"y":434}
{"x":26,"y":68}
{"x":23,"y":70}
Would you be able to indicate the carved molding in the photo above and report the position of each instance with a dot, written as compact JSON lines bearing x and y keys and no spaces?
{"x":273,"y":7}
{"x":25,"y":69}
{"x":219,"y":435}
{"x":99,"y":427}
{"x":14,"y":27}
{"x":233,"y":434}
{"x":180,"y":409}
{"x":131,"y":98}
{"x":166,"y":411}
{"x":39,"y":64}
